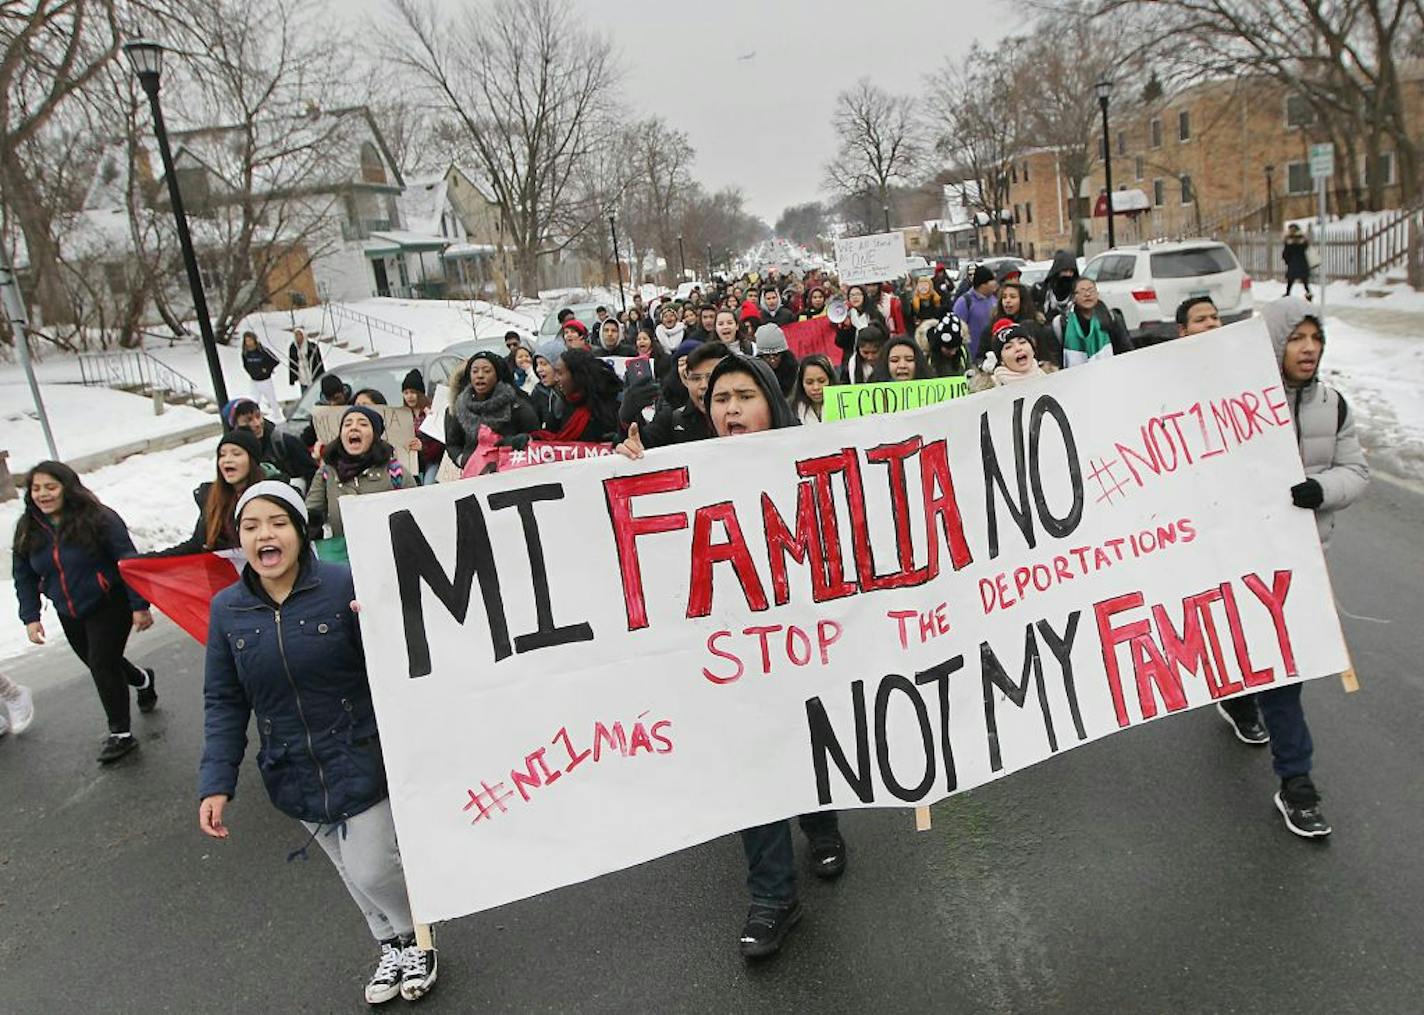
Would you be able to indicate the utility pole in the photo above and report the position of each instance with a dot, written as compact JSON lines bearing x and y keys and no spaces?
{"x":19,"y":331}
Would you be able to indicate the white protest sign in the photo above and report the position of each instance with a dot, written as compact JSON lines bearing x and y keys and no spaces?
{"x":876,"y":258}
{"x":581,"y":668}
{"x":433,"y":425}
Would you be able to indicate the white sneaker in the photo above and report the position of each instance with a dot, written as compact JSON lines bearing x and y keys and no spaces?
{"x":22,"y":710}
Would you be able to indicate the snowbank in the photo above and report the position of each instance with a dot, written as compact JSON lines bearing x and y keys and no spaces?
{"x":85,"y":420}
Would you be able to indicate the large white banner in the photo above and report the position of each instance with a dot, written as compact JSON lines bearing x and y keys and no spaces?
{"x":579,"y":667}
{"x":876,"y":258}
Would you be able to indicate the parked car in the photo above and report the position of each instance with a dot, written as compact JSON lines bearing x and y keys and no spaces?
{"x":998,"y":264}
{"x":467,"y":348}
{"x":1144,"y":286}
{"x":1035,"y":272}
{"x":585,"y":312}
{"x":384,"y":374}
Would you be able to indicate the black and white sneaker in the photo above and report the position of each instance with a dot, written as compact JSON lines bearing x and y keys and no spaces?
{"x":418,"y":970}
{"x":1299,"y":804}
{"x":766,"y":928}
{"x":385,"y":982}
{"x":116,"y":745}
{"x":828,"y":856}
{"x":147,"y":694}
{"x":1245,"y":722}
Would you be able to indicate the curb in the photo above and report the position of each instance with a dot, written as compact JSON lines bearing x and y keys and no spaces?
{"x":112,"y":456}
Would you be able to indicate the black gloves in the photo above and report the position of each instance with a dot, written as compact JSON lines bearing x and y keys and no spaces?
{"x":517,"y":441}
{"x":1307,"y":495}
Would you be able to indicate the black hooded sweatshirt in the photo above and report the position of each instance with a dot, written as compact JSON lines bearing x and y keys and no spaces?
{"x":1055,"y":292}
{"x":782,"y":415}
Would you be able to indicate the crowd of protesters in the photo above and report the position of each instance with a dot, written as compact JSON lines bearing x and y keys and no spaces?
{"x":717,"y":364}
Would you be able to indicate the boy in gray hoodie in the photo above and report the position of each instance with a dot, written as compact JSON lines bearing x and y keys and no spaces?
{"x":1336,"y":475}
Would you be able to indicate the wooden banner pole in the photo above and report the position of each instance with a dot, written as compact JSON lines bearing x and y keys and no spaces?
{"x":922,"y":819}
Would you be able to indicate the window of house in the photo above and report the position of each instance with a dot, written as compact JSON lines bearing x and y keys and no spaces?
{"x":1298,"y":179}
{"x":1156,"y":132}
{"x":1298,"y":111}
{"x":1382,"y":169}
{"x":1016,"y":214}
{"x":1013,"y":173}
{"x":1025,"y":172}
{"x":1122,"y":142}
{"x":1139,"y":165}
{"x":1188,"y":196}
{"x":1078,"y":208}
{"x":1028,"y":212}
{"x":1159,"y":193}
{"x":1184,"y":126}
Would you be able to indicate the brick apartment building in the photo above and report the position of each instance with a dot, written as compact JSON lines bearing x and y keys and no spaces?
{"x":1206,"y":159}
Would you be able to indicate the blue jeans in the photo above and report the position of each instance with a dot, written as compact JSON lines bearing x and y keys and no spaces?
{"x":1284,"y":716}
{"x":771,"y":859}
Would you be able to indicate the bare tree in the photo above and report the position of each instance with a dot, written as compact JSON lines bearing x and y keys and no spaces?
{"x":664,"y":159}
{"x":974,"y":128}
{"x":52,"y":49}
{"x":1342,"y":56}
{"x":1062,"y":114}
{"x":879,"y":143}
{"x":531,"y":90}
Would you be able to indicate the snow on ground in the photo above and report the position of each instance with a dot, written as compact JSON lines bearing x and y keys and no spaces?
{"x":84,"y":420}
{"x":153,"y":493}
{"x":1396,"y":296}
{"x":1381,"y":374}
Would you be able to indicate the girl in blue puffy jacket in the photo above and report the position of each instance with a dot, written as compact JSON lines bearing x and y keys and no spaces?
{"x":284,"y":646}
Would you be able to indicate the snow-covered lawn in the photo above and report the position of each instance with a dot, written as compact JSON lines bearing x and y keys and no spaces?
{"x":153,"y":493}
{"x":84,"y":420}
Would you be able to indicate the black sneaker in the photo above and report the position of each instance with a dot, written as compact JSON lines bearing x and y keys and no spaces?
{"x":148,"y":694}
{"x":1246,"y":724}
{"x":1299,"y":804}
{"x":116,"y":745}
{"x":385,"y":982}
{"x":766,"y":928}
{"x":828,"y":856}
{"x":418,"y":970}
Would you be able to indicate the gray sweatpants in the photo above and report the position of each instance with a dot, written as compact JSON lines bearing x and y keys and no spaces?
{"x":365,"y":854}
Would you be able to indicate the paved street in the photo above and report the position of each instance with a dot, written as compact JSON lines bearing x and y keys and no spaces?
{"x":1144,"y":873}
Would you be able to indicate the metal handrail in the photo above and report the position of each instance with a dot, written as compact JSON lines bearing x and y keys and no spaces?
{"x":373,"y":324}
{"x":133,"y":368}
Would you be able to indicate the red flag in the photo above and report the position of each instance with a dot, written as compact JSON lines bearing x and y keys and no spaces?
{"x":816,"y":335}
{"x":183,"y":587}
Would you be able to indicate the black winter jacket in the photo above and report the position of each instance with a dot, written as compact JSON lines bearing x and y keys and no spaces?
{"x":259,"y":363}
{"x":300,"y":670}
{"x":76,"y":578}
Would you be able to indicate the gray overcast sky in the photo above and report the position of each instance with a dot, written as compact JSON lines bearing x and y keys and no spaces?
{"x":764,"y":124}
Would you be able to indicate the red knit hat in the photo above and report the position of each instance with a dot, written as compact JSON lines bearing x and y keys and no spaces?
{"x":1000,"y":325}
{"x":577,"y":325}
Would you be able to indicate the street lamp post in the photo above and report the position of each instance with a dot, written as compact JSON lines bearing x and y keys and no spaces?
{"x":1270,"y":195}
{"x":681,"y":260}
{"x":709,"y":262}
{"x":886,"y":209}
{"x":1104,"y":90}
{"x":146,"y":59}
{"x":622,"y":296}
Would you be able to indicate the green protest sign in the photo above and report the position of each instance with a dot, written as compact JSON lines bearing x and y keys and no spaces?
{"x":851,"y":401}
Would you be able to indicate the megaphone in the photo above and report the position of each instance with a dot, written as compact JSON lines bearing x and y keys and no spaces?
{"x":837,"y":310}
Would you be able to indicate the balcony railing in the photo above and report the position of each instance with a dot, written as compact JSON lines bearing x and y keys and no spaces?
{"x":363,"y":228}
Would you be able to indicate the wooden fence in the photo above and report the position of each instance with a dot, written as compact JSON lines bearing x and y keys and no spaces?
{"x":1353,"y":252}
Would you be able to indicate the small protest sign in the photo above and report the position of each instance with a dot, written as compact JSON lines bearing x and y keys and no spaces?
{"x":400,"y":430}
{"x":851,"y":401}
{"x":876,"y":258}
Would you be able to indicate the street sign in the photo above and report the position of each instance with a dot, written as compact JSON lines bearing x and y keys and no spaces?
{"x":1322,"y":161}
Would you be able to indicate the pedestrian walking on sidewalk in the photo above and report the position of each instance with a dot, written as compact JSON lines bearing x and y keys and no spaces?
{"x":304,"y":366}
{"x":68,"y":545}
{"x":285,"y":646}
{"x":1295,"y":252}
{"x":260,"y":362}
{"x":1336,"y":475}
